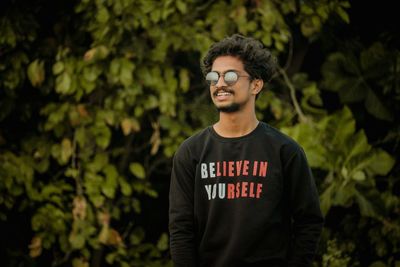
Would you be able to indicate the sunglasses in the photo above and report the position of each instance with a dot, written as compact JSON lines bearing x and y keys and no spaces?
{"x":230,"y":77}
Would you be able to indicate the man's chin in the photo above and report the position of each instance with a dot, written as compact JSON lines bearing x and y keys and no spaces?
{"x":234,"y":107}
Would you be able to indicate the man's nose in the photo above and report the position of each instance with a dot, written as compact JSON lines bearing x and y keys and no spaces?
{"x":221,"y":82}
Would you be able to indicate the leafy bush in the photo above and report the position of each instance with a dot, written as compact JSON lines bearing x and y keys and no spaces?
{"x":97,"y":95}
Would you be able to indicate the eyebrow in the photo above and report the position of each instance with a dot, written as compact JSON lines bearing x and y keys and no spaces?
{"x":237,"y":71}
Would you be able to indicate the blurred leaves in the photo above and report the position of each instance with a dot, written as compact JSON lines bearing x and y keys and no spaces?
{"x":36,"y":73}
{"x":366,"y":78}
{"x":137,"y":170}
{"x":351,"y":163}
{"x":95,"y":102}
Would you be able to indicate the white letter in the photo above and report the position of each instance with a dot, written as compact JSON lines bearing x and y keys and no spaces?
{"x":204,"y":173}
{"x":221,"y":191}
{"x":212,"y":169}
{"x":214,"y":193}
{"x":208,"y":189}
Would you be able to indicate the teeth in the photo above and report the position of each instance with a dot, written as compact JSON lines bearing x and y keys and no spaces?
{"x":223,"y":94}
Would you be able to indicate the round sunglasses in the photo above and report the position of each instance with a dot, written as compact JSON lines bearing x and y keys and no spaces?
{"x":230,"y":77}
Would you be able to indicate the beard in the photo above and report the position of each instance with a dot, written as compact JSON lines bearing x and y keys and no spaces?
{"x":234,"y":107}
{"x":231,"y":108}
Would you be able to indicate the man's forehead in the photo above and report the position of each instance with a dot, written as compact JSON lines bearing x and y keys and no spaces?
{"x":224,"y":63}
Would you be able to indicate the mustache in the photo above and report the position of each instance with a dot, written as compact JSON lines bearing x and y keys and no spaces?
{"x":225,"y":90}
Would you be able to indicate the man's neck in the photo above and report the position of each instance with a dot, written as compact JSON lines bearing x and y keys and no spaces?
{"x":235,"y":124}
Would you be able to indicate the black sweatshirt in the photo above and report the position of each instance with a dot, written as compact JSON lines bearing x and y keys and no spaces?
{"x":245,"y":201}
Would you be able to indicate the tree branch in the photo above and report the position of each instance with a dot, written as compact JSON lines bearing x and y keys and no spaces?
{"x":296,"y":105}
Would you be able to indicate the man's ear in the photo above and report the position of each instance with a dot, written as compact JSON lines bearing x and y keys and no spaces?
{"x":258,"y":85}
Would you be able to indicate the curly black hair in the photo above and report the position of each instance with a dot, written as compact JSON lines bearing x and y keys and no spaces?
{"x":257,"y":60}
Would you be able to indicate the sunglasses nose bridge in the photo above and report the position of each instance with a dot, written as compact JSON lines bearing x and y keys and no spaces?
{"x":221,"y":81}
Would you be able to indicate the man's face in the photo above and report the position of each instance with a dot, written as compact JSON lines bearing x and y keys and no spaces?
{"x":235,"y":97}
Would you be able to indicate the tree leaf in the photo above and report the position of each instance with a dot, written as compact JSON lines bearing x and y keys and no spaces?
{"x":345,"y":120}
{"x":184,"y":81}
{"x":137,"y":236}
{"x":326,"y":198}
{"x":129,"y":125}
{"x":77,"y":241}
{"x":358,"y":176}
{"x":181,"y":5}
{"x":352,"y":90}
{"x":343,"y":195}
{"x":110,"y":185}
{"x":104,"y":234}
{"x":359,"y":145}
{"x":343,"y":15}
{"x":137,"y":170}
{"x":162,"y":243}
{"x":66,"y":150}
{"x":375,"y":106}
{"x":378,"y":264}
{"x":77,"y":262}
{"x":103,"y":135}
{"x":381,"y":163}
{"x":58,"y":67}
{"x":102,"y":15}
{"x":126,"y":72}
{"x":126,"y":188}
{"x":35,"y":247}
{"x":36,"y":73}
{"x":63,"y":83}
{"x":366,"y":207}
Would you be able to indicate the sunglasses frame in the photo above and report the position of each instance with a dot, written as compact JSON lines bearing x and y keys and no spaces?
{"x":228,"y":82}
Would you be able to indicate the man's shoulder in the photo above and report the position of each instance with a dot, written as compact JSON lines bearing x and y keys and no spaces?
{"x":280,"y":139}
{"x":197,"y":137}
{"x":277,"y":135}
{"x":194,"y":141}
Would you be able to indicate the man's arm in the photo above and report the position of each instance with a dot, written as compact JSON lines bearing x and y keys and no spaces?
{"x":305,"y":209}
{"x":181,"y":214}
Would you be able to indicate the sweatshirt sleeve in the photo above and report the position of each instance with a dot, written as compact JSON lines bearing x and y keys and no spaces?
{"x":305,"y":210}
{"x":181,"y":214}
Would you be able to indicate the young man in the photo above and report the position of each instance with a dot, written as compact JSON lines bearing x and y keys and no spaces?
{"x":242,"y":193}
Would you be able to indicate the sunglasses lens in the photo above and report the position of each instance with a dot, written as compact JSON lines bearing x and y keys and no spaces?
{"x":212,"y":77}
{"x":230,"y":77}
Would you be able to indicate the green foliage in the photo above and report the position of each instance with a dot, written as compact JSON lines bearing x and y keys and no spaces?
{"x":95,"y":101}
{"x":335,"y":257}
{"x":314,"y":14}
{"x":367,"y":77}
{"x":350,"y":162}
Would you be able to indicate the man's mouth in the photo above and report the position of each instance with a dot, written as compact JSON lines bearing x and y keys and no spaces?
{"x":223,"y":92}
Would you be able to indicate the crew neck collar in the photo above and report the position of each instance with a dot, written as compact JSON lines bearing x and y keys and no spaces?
{"x":231,"y":139}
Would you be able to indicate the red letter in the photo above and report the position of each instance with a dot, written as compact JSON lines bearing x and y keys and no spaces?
{"x":246,"y":168}
{"x":238,"y":167}
{"x":251,"y":190}
{"x":255,"y":168}
{"x":218,"y":169}
{"x":263,"y":168}
{"x":259,"y":190}
{"x":230,"y":168}
{"x":237,"y":190}
{"x":231,"y":191}
{"x":244,"y":189}
{"x":224,"y":164}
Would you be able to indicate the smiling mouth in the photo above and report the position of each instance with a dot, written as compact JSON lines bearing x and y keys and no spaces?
{"x":223,"y":93}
